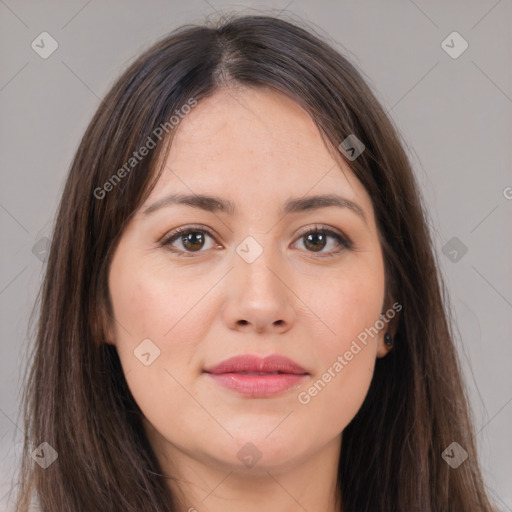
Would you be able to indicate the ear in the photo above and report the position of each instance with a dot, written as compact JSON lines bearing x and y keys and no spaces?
{"x":390,"y":319}
{"x":382,"y":349}
{"x":103,"y":326}
{"x":110,"y":337}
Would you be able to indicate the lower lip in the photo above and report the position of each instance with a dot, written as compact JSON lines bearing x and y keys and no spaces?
{"x":258,"y":386}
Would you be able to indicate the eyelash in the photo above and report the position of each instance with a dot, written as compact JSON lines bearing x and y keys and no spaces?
{"x":344,"y":242}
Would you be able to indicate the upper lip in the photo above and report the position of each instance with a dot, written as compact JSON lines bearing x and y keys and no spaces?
{"x":256,"y":364}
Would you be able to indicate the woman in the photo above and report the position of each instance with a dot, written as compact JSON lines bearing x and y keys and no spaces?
{"x":242,"y":307}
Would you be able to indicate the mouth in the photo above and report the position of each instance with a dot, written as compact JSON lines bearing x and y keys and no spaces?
{"x":263,"y":373}
{"x":257,"y":377}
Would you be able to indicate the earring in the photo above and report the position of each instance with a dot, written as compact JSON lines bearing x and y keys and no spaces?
{"x":388,"y":340}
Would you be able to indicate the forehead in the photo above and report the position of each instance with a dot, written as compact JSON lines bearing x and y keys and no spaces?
{"x":253,"y":142}
{"x":260,"y":126}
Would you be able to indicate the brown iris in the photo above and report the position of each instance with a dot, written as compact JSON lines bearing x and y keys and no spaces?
{"x":311,"y":240}
{"x":194,"y":240}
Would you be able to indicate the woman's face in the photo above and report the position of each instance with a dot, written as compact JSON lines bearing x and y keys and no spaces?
{"x":249,"y":281}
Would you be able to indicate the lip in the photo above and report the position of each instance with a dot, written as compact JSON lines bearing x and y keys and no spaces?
{"x":257,"y":377}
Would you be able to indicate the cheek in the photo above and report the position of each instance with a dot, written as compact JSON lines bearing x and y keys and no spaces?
{"x":350,"y":306}
{"x":147,"y":306}
{"x":153,"y":303}
{"x":351,"y":303}
{"x":333,"y":398}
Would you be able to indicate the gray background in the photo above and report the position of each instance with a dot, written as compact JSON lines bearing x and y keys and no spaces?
{"x":454,"y":114}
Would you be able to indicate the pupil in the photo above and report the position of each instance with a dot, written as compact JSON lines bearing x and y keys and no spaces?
{"x":190,"y":242}
{"x":315,"y":237}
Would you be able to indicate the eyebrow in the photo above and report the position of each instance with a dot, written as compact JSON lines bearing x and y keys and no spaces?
{"x":217,"y":204}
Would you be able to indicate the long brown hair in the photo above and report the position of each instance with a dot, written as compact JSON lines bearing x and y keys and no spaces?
{"x":76,"y":397}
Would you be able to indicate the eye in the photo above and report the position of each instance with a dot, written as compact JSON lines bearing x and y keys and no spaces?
{"x":192,"y":239}
{"x":316,"y":239}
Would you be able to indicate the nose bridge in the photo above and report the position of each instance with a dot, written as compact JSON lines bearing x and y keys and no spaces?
{"x":257,"y":263}
{"x":256,"y":290}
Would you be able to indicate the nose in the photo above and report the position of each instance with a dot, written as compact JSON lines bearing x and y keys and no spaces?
{"x":259,"y":299}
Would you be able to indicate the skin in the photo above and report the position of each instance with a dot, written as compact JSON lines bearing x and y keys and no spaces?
{"x":257,"y":148}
